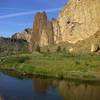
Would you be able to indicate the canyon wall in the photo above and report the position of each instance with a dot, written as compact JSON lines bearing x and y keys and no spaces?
{"x":78,"y":20}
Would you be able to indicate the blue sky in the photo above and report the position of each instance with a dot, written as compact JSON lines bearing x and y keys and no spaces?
{"x":16,"y":15}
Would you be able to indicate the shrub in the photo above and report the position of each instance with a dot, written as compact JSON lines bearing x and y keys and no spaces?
{"x":58,"y":49}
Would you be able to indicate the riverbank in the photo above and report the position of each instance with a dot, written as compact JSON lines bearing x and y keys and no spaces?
{"x":57,"y":65}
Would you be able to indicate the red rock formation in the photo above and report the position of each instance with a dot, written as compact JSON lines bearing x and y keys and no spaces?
{"x":40,"y":22}
{"x":50,"y":33}
{"x":42,"y":34}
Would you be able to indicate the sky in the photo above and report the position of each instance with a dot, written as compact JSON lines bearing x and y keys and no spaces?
{"x":16,"y":15}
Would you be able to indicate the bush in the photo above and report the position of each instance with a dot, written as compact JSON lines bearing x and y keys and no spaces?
{"x":58,"y":49}
{"x":38,"y":48}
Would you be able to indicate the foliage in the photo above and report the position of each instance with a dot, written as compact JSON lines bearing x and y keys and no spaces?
{"x":60,"y":65}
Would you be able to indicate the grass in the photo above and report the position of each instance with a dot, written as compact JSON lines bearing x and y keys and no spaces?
{"x":58,"y":65}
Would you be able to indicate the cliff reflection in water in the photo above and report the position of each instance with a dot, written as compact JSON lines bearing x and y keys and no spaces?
{"x":41,"y":85}
{"x":67,"y":89}
{"x":18,"y":88}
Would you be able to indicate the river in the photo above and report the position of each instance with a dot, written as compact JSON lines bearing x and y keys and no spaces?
{"x":12,"y":88}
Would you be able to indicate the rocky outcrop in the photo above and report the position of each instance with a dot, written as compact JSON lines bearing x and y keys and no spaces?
{"x":78,"y":22}
{"x":26,"y":35}
{"x":47,"y":35}
{"x":10,"y":46}
{"x":57,"y":33}
{"x":50,"y":33}
{"x":39,"y":29}
{"x":79,"y":19}
{"x":89,"y":45}
{"x":43,"y":39}
{"x":42,"y":34}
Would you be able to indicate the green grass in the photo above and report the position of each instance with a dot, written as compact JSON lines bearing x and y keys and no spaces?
{"x":59,"y":65}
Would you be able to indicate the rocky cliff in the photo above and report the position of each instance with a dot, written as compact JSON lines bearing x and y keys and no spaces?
{"x":57,"y":32}
{"x":91,"y":44}
{"x":79,"y":19}
{"x":42,"y":34}
{"x":39,"y":29}
{"x":26,"y":35}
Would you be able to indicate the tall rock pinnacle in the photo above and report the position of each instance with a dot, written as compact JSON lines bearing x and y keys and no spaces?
{"x":78,"y":20}
{"x":42,"y":34}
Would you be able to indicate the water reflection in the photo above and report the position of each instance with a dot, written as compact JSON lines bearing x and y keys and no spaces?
{"x":46,"y":89}
{"x":69,"y":90}
{"x":1,"y":98}
{"x":41,"y":85}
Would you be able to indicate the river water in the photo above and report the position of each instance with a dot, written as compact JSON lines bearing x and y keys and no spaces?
{"x":12,"y":88}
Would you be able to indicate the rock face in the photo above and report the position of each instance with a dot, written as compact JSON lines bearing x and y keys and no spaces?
{"x":57,"y":33}
{"x":79,"y":19}
{"x":91,"y":44}
{"x":77,"y":23}
{"x":47,"y":36}
{"x":50,"y":33}
{"x":43,"y":39}
{"x":39,"y":29}
{"x":26,"y":35}
{"x":42,"y":34}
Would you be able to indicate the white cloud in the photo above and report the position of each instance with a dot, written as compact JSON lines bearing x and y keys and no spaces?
{"x":28,"y":13}
{"x":13,"y":9}
{"x":14,"y":23}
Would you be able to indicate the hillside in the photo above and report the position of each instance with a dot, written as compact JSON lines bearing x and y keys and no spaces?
{"x":10,"y":46}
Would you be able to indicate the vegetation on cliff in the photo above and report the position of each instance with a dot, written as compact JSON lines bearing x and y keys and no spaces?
{"x":10,"y":46}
